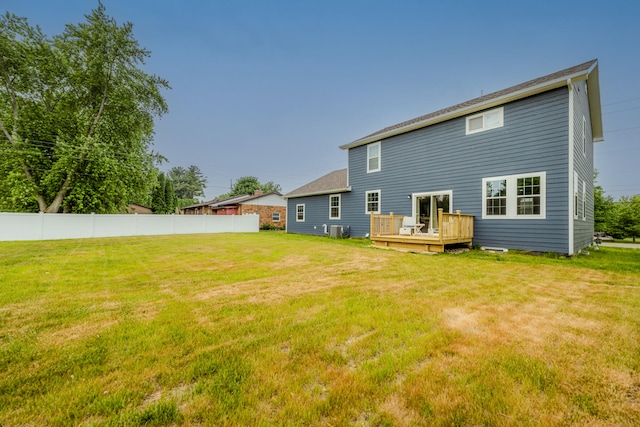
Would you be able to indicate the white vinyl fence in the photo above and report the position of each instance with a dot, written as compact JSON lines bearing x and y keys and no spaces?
{"x":25,"y":226}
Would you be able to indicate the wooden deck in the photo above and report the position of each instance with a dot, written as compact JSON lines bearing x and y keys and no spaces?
{"x":453,"y":229}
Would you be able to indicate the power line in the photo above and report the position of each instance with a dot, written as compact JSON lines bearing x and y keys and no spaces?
{"x":621,"y":102}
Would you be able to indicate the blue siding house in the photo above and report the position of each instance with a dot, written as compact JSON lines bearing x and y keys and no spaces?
{"x":519,"y":160}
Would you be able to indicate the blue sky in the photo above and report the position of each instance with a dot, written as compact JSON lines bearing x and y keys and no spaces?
{"x":272,"y":88}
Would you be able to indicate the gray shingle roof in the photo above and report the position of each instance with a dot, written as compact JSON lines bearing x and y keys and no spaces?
{"x":522,"y":90}
{"x":233,"y":200}
{"x":332,"y":182}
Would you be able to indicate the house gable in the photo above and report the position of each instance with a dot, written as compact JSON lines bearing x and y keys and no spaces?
{"x":495,"y":99}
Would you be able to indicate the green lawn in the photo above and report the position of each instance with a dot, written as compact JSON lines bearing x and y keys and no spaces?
{"x":277,"y":329}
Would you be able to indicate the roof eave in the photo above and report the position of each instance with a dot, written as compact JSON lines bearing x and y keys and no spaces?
{"x":318,"y":193}
{"x":494,"y":102}
{"x":593,"y":93}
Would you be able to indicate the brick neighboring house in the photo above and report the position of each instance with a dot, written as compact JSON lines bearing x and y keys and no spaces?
{"x":271,"y":207}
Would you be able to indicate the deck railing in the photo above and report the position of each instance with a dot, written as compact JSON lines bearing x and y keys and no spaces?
{"x":451,"y":226}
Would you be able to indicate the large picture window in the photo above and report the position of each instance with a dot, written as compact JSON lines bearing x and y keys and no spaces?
{"x":372,"y":202}
{"x":334,"y":206}
{"x":514,"y":196}
{"x":373,"y":157}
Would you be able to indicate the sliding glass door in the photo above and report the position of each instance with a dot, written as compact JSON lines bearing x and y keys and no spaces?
{"x":425,"y":208}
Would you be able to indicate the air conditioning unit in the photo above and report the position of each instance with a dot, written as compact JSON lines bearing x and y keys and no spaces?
{"x":336,"y":231}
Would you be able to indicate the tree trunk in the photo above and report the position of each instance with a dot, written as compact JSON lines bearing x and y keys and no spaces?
{"x":57,"y":202}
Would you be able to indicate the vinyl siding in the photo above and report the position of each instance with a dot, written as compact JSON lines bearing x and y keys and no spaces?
{"x":316,"y":215}
{"x":441,"y":157}
{"x":583,"y":165}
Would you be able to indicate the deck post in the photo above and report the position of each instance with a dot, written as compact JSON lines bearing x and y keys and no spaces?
{"x":371,"y":229}
{"x":440,"y":230}
{"x":391,"y":223}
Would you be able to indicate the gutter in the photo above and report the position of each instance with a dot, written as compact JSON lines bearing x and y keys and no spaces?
{"x":318,"y":193}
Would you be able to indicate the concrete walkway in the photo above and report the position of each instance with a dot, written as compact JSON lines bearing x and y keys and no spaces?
{"x":621,"y":245}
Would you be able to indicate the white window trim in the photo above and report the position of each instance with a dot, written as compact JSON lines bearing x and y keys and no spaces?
{"x":512,"y":196}
{"x":339,"y":196}
{"x":584,"y":136}
{"x":303,"y":212}
{"x":576,"y":201}
{"x":273,"y":219}
{"x":375,"y":144}
{"x":584,"y":200}
{"x":500,"y":124}
{"x":366,"y":201}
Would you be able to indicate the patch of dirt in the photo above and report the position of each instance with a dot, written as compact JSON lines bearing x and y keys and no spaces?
{"x":176,"y":393}
{"x":87,"y":328}
{"x":402,"y":416}
{"x":535,"y":322}
{"x":293,"y":282}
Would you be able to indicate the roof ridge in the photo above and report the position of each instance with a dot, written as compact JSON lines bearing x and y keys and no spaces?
{"x":529,"y":83}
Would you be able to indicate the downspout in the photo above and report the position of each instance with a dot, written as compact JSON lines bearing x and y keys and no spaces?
{"x":570,"y":167}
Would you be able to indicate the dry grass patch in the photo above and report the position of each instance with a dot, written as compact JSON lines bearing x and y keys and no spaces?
{"x":276,"y":329}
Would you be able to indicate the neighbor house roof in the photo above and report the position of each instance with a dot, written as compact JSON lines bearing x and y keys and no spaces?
{"x":233,"y":200}
{"x":587,"y":70}
{"x":333,"y":182}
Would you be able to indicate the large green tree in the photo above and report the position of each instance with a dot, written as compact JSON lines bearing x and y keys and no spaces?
{"x":163,"y":200}
{"x":249,"y":184}
{"x":628,"y":216}
{"x":76,"y":117}
{"x":188,"y":183}
{"x":604,"y":208}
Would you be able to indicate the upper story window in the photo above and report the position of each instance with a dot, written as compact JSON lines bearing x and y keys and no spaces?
{"x":300,"y":213}
{"x":484,"y":121}
{"x":515,"y":196}
{"x":372,"y":202}
{"x":373,"y":157}
{"x":334,"y":206}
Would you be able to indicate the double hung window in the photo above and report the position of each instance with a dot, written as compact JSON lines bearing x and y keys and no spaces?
{"x":372,"y":201}
{"x":514,"y":196}
{"x":373,"y":157}
{"x":334,"y":206}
